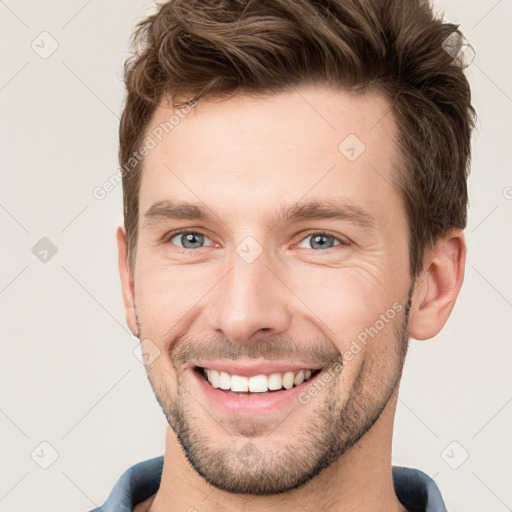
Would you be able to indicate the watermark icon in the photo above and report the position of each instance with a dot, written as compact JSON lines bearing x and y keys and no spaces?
{"x":507,"y":193}
{"x":44,"y":250}
{"x":457,"y":47}
{"x":44,"y":455}
{"x":249,"y":454}
{"x":351,"y":147}
{"x":148,"y":352}
{"x":100,"y":192}
{"x":45,"y":45}
{"x":249,"y":249}
{"x":455,"y":455}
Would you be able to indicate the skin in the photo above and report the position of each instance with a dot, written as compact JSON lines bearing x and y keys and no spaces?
{"x":295,"y":302}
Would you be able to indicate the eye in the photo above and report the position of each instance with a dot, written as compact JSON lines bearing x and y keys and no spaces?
{"x":196,"y":240}
{"x":322,"y":240}
{"x":188,"y":239}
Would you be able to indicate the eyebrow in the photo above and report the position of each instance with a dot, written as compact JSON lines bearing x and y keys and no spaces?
{"x":312,"y":210}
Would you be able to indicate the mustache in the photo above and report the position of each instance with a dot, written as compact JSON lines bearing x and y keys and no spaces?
{"x":317,"y":354}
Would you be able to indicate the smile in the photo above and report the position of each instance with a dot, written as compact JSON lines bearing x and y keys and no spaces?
{"x":261,"y":383}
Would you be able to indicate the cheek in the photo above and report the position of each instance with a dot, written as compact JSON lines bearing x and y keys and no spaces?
{"x":167,"y":296}
{"x":373,"y":354}
{"x":345,"y":301}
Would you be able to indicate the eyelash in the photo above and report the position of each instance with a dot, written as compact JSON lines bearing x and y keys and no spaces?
{"x":313,"y":233}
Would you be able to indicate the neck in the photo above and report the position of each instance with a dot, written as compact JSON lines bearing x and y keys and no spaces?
{"x":361,"y":480}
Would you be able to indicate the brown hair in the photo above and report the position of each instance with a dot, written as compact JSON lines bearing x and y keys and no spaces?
{"x":203,"y":48}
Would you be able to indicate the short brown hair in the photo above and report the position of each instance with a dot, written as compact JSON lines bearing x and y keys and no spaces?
{"x":203,"y":48}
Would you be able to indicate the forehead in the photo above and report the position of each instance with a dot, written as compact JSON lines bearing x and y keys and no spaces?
{"x":249,"y":154}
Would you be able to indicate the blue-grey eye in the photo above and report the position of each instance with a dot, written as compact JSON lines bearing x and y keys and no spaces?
{"x":189,"y":240}
{"x":321,"y":241}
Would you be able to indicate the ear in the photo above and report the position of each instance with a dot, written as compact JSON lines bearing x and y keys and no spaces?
{"x":438,"y":286}
{"x":127,"y":285}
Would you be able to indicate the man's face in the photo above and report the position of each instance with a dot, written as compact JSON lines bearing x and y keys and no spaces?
{"x":245,"y":284}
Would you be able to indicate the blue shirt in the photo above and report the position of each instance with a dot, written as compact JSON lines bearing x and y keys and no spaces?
{"x":413,"y":488}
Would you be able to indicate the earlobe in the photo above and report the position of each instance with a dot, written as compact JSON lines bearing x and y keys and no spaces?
{"x":438,"y":286}
{"x":126,"y":281}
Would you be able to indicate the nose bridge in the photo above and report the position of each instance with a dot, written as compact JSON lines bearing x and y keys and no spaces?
{"x":250,"y":297}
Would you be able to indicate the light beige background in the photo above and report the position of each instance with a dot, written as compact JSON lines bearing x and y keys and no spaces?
{"x":68,"y":373}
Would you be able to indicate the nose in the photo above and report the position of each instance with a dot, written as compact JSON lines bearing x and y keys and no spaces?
{"x":250,"y":299}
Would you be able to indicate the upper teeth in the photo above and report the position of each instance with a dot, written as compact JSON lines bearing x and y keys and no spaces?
{"x":256,"y":383}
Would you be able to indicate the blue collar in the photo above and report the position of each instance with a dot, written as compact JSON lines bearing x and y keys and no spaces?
{"x":414,"y":489}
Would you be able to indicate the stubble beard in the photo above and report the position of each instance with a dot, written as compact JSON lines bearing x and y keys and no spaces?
{"x":247,"y":467}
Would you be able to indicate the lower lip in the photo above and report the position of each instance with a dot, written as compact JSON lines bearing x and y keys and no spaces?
{"x":250,"y":403}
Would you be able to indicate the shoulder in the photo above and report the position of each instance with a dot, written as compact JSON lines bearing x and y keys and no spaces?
{"x":416,"y":490}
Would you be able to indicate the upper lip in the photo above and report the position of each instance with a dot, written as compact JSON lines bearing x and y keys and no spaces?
{"x":253,"y":368}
